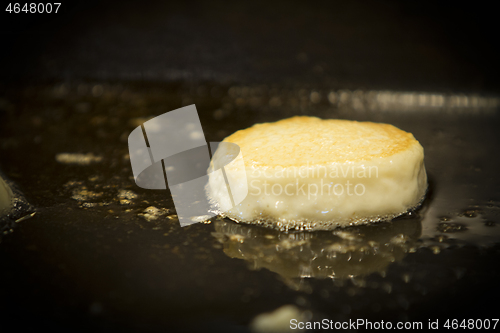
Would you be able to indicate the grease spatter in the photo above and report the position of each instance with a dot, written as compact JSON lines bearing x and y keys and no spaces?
{"x":442,"y":238}
{"x":127,"y":194}
{"x":469,"y":213}
{"x":202,"y":218}
{"x":435,"y":249}
{"x":83,"y":194}
{"x":152,"y":213}
{"x":78,"y":159}
{"x":449,"y":227}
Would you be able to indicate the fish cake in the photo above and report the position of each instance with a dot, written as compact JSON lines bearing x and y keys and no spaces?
{"x":306,"y":173}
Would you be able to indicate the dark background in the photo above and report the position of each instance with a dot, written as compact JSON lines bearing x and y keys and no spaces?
{"x":399,"y":45}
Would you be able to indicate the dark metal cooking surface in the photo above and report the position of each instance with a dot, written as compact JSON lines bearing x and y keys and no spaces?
{"x":93,"y":254}
{"x":102,"y":254}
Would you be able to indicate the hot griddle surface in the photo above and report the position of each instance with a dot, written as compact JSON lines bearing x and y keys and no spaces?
{"x":87,"y":260}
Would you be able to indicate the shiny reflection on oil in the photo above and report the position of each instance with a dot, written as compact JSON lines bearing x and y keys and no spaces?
{"x":338,"y":254}
{"x":5,"y":197}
